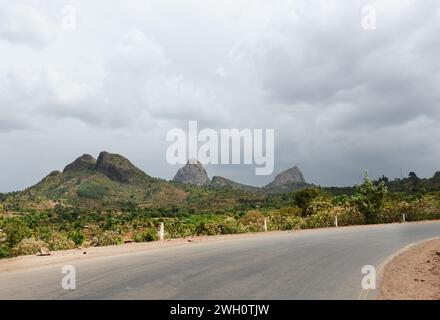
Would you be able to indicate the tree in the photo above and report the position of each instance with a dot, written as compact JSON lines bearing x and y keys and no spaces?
{"x":16,"y":230}
{"x":412,"y":175}
{"x":370,"y":198}
{"x":304,"y":198}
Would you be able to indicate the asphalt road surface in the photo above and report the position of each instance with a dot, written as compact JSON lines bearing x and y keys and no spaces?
{"x":320,"y":264}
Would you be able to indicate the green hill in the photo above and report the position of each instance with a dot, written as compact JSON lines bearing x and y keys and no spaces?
{"x":111,"y":182}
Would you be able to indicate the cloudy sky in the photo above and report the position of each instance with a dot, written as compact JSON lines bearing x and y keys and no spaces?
{"x":84,"y":76}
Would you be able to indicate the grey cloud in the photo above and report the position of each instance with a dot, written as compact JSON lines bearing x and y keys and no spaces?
{"x":23,"y":24}
{"x":341,"y":99}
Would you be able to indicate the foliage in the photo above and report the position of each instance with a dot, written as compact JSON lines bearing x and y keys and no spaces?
{"x":60,"y":241}
{"x":253,"y":221}
{"x":370,"y":198}
{"x":92,"y":190}
{"x":205,"y":212}
{"x":77,"y":236}
{"x":16,"y":230}
{"x":288,"y":218}
{"x":146,"y":235}
{"x":28,"y":246}
{"x":107,"y":238}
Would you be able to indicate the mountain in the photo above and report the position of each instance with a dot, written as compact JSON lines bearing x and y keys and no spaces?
{"x":292,"y":175}
{"x":287,"y":181}
{"x":220,"y":182}
{"x":120,"y":169}
{"x":85,"y":162}
{"x":110,"y":182}
{"x":192,"y":173}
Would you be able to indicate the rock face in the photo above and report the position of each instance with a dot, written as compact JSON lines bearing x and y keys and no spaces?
{"x":192,"y":173}
{"x":118,"y":168}
{"x":85,"y":162}
{"x":287,"y":181}
{"x":290,"y":176}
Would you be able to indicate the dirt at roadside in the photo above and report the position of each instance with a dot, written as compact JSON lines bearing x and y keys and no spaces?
{"x":414,"y":274}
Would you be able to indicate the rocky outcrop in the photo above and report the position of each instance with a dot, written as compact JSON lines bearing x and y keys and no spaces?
{"x":192,"y":173}
{"x":85,"y":162}
{"x":118,"y":168}
{"x":287,"y":181}
{"x":292,"y":175}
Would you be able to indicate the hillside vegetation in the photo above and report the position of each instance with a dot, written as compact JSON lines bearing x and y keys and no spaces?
{"x":109,"y":201}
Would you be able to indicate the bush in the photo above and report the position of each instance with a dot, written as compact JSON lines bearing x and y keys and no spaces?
{"x":5,"y":251}
{"x":348,"y":215}
{"x":16,"y":230}
{"x":60,"y":242}
{"x":208,"y":228}
{"x":146,"y":235}
{"x":323,"y":219}
{"x":285,"y":219}
{"x":28,"y":246}
{"x":253,"y":221}
{"x":304,"y":198}
{"x":370,"y":199}
{"x":230,"y":226}
{"x":107,"y":238}
{"x":77,"y":237}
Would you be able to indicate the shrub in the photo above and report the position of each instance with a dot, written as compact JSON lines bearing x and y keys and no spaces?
{"x":60,"y":242}
{"x":304,"y":198}
{"x":321,"y":219}
{"x":28,"y":246}
{"x":285,"y":219}
{"x":208,"y":228}
{"x":77,"y":237}
{"x":16,"y":230}
{"x":370,"y":198}
{"x":5,"y":251}
{"x":253,"y":221}
{"x":146,"y":235}
{"x":230,"y":226}
{"x":348,"y":215}
{"x":107,"y":238}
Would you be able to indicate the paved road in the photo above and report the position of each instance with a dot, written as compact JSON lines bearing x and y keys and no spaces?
{"x":324,"y":264}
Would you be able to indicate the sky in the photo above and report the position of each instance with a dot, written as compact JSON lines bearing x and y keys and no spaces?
{"x":347,"y":86}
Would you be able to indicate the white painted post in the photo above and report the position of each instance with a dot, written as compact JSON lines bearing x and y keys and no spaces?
{"x":404,"y":219}
{"x":265,"y":225}
{"x":336,"y":221}
{"x":161,"y":231}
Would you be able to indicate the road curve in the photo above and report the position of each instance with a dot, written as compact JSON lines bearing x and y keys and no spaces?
{"x":320,"y":264}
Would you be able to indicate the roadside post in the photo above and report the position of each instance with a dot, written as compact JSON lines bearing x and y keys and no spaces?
{"x":265,"y":225}
{"x":336,"y":221}
{"x":161,"y":231}
{"x":403,"y":216}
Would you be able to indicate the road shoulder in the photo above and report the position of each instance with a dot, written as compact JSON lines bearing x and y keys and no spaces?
{"x":414,"y":274}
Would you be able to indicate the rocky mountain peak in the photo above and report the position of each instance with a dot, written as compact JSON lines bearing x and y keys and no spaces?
{"x":85,"y":162}
{"x":118,"y":168}
{"x":289,"y":176}
{"x":192,"y":173}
